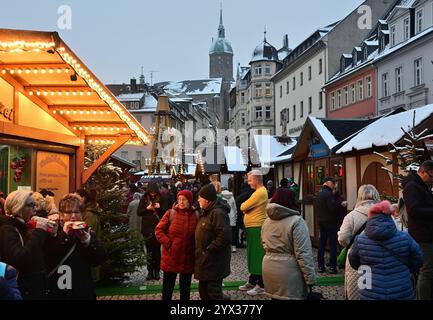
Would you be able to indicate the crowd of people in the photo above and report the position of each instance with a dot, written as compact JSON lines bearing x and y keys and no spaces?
{"x":192,"y":230}
{"x":49,"y":253}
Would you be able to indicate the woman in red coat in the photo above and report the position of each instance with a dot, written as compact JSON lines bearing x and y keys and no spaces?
{"x":176,"y":232}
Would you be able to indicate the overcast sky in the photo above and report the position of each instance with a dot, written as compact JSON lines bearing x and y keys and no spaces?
{"x":172,"y":37}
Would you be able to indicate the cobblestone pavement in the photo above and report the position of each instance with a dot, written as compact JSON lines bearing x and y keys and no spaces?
{"x":239,"y":272}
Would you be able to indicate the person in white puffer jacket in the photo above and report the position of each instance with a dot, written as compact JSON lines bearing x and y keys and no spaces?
{"x":228,"y":197}
{"x":353,"y":221}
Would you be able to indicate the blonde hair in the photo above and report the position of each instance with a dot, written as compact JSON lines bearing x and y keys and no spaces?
{"x":217,"y":186}
{"x":256,"y":174}
{"x":367,"y":192}
{"x":39,"y":201}
{"x":16,"y":201}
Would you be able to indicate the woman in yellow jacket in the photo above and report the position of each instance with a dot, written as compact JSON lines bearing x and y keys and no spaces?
{"x":255,"y":215}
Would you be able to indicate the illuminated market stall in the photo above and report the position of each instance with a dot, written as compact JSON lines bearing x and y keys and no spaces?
{"x":51,"y":107}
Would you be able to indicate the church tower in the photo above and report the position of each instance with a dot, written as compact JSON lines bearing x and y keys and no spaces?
{"x":221,"y":66}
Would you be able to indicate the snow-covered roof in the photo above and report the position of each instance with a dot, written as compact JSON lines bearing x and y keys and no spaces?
{"x":389,"y":50}
{"x":190,"y":169}
{"x":194,"y":87}
{"x":235,"y":160}
{"x":265,"y":51}
{"x":386,"y":130}
{"x":129,"y":97}
{"x":326,"y":135}
{"x":347,"y":55}
{"x":269,"y":148}
{"x":282,"y":53}
{"x":371,"y":42}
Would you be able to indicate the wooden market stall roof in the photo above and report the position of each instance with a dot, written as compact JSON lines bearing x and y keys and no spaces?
{"x":46,"y":71}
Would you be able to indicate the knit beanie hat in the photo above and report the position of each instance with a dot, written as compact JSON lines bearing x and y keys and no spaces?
{"x":187,"y":194}
{"x":16,"y":201}
{"x":383,"y":207}
{"x":208,"y":192}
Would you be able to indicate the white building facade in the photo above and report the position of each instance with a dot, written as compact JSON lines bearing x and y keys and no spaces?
{"x":405,"y":68}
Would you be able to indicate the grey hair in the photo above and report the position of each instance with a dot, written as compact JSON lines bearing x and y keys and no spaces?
{"x":368,"y":192}
{"x":256,"y":174}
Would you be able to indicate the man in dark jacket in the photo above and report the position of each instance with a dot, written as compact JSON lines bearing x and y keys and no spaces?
{"x":245,"y":194}
{"x":151,"y":209}
{"x":327,"y":216}
{"x":418,"y":197}
{"x":212,"y":244}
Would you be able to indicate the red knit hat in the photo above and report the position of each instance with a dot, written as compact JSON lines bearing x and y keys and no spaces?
{"x":383,"y":207}
{"x":187,"y":194}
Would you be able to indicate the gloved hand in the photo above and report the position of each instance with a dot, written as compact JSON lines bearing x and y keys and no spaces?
{"x":83,"y":236}
{"x":41,"y":223}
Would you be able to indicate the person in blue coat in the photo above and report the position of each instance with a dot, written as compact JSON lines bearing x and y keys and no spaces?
{"x":387,"y":257}
{"x":8,"y":283}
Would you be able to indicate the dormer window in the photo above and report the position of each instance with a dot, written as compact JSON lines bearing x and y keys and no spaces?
{"x":392,"y":36}
{"x":355,"y":57}
{"x":365,"y":53}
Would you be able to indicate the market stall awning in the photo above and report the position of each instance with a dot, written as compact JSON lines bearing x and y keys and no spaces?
{"x":235,"y":159}
{"x":47,"y":72}
{"x":43,"y":70}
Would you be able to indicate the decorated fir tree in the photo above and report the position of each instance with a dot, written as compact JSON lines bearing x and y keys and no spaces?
{"x":409,"y":155}
{"x":124,"y":247}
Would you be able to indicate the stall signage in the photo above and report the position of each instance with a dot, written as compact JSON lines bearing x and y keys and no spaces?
{"x":5,"y":112}
{"x":52,"y":173}
{"x":319,"y":150}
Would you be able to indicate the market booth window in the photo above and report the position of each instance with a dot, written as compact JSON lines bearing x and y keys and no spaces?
{"x":51,"y":107}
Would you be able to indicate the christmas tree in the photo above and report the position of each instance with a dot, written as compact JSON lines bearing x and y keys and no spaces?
{"x":410,"y":155}
{"x":124,"y":247}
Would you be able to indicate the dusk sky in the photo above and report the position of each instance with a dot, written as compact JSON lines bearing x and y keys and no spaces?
{"x":116,"y":38}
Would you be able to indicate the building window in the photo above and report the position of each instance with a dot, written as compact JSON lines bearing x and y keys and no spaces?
{"x":302,"y":79}
{"x":302,"y":109}
{"x":320,"y":66}
{"x":242,"y":97}
{"x":339,"y":99}
{"x":333,"y":101}
{"x":258,"y":70}
{"x":287,"y":87}
{"x":385,"y":85}
{"x":281,"y":91}
{"x":138,"y":155}
{"x":309,"y":73}
{"x":366,"y":51}
{"x":352,"y":93}
{"x":369,"y":92}
{"x":419,"y":21}
{"x":124,"y":155}
{"x":259,"y":92}
{"x":392,"y":36}
{"x":259,"y":113}
{"x":398,"y":79}
{"x":267,"y":89}
{"x":294,"y":112}
{"x":360,"y":90}
{"x":268,"y":113}
{"x":346,"y":96}
{"x":406,"y":29}
{"x":267,"y":69}
{"x":310,"y":105}
{"x":243,"y":118}
{"x":320,"y":100}
{"x":418,"y":72}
